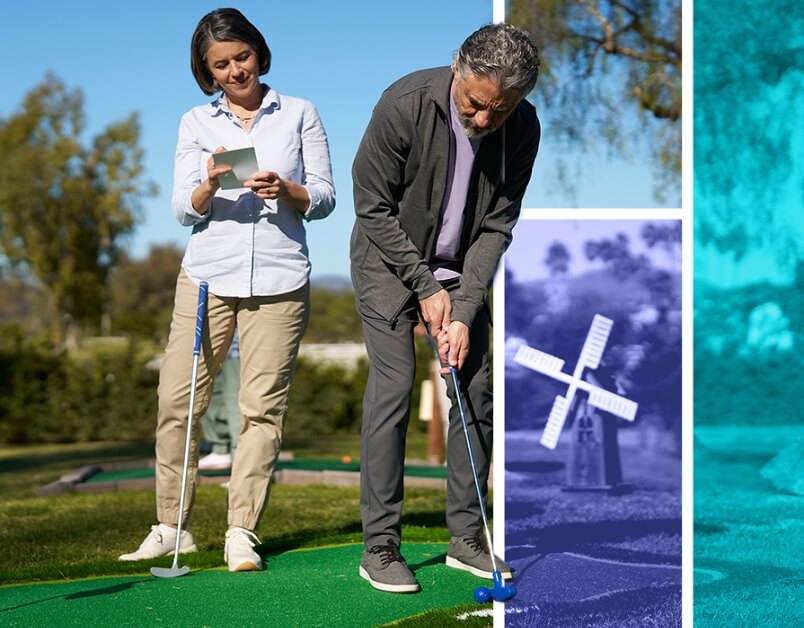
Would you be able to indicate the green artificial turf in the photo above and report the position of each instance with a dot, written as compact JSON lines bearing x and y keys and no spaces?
{"x":305,"y":464}
{"x":61,"y":552}
{"x":318,"y":587}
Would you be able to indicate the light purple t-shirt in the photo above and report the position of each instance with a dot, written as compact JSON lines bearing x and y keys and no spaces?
{"x":462,"y":150}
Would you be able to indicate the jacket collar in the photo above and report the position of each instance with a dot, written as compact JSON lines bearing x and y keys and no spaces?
{"x":440,"y":87}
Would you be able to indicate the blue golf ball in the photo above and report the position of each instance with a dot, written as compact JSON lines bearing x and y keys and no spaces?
{"x":482,"y":595}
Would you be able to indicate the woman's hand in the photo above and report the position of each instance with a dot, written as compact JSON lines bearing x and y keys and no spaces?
{"x":202,"y":195}
{"x":268,"y":185}
{"x":214,"y":172}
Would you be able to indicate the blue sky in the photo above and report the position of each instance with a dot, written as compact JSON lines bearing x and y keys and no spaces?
{"x":340,"y":55}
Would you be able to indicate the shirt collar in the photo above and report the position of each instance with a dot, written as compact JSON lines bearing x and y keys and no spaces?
{"x":270,"y":102}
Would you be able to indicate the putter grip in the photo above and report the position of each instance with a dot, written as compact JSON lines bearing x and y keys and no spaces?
{"x":201,"y":312}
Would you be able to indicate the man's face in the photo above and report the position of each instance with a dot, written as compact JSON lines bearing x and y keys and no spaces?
{"x":482,"y":105}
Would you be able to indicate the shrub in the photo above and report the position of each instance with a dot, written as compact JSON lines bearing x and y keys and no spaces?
{"x":105,"y":392}
{"x":52,"y":396}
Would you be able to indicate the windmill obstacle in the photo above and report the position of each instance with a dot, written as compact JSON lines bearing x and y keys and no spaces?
{"x":594,"y":461}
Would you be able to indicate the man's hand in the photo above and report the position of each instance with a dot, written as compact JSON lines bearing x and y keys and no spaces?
{"x":453,"y":346}
{"x":436,"y":310}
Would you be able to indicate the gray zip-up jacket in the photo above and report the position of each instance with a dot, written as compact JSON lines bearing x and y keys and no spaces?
{"x":400,"y":176}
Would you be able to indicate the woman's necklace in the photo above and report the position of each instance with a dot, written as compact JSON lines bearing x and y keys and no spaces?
{"x":244,"y":121}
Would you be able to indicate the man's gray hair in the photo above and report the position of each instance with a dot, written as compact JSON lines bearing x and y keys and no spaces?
{"x":501,"y":53}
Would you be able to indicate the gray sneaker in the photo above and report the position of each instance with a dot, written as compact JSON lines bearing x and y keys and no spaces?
{"x":385,"y":568}
{"x":471,"y":553}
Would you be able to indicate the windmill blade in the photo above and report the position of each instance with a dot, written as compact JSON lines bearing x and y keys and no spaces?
{"x":595,"y":341}
{"x":538,"y":360}
{"x":613,"y":404}
{"x":558,"y":415}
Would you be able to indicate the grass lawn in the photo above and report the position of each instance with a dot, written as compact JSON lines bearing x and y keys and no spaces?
{"x":80,"y":535}
{"x":749,"y":535}
{"x":590,"y":558}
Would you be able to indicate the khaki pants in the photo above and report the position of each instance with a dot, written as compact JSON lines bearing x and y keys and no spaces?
{"x":271,"y":329}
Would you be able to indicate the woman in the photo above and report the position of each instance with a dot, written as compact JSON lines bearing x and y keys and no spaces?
{"x":249,"y":245}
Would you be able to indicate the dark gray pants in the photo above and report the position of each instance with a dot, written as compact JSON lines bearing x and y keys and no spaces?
{"x":386,"y":412}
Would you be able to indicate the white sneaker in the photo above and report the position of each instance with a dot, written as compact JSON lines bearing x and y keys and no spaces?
{"x":161,"y":541}
{"x":214,"y":462}
{"x":239,"y":552}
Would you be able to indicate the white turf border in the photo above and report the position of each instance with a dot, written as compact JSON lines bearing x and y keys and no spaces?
{"x":685,"y":215}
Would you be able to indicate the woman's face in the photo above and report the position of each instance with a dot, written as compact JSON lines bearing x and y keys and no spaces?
{"x":236,"y":68}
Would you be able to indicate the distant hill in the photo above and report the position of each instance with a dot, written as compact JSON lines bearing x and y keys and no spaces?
{"x":334,"y":283}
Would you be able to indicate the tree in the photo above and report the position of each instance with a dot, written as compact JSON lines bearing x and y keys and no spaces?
{"x":141,"y":291}
{"x":333,"y":317}
{"x":749,"y":74}
{"x":616,"y":253}
{"x":666,"y":236}
{"x":662,"y":285}
{"x":64,"y":206}
{"x":557,"y":259}
{"x":22,"y":301}
{"x":603,"y":57}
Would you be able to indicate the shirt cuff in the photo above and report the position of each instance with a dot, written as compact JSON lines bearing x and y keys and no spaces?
{"x":315,"y":202}
{"x":191,"y":216}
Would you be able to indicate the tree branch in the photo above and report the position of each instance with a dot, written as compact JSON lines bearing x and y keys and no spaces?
{"x":638,"y":27}
{"x":660,"y":111}
{"x":609,"y":43}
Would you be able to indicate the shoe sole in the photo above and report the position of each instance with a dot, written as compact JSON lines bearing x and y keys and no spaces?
{"x":481,"y":573}
{"x":390,"y":588}
{"x":183,"y":550}
{"x":247,"y":566}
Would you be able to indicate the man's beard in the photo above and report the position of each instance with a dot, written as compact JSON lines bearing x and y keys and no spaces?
{"x":474,"y":132}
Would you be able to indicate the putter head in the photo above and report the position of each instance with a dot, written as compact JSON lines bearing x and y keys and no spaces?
{"x":503,"y":593}
{"x":169,"y":572}
{"x":500,"y":592}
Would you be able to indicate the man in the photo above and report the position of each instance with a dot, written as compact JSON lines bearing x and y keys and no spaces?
{"x":438,"y":182}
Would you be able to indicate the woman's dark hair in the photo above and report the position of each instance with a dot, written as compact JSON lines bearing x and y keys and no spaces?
{"x":224,"y":25}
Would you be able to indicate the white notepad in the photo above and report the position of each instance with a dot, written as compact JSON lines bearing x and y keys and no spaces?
{"x":243,"y":162}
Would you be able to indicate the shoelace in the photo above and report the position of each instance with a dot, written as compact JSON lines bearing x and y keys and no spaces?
{"x":388,"y":554}
{"x":251,"y":538}
{"x":476,"y":543}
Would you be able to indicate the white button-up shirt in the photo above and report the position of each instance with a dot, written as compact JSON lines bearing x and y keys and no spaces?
{"x":245,"y":246}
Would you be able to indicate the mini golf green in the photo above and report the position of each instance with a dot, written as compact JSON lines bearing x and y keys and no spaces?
{"x":139,"y":475}
{"x":297,"y":464}
{"x":317,"y":587}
